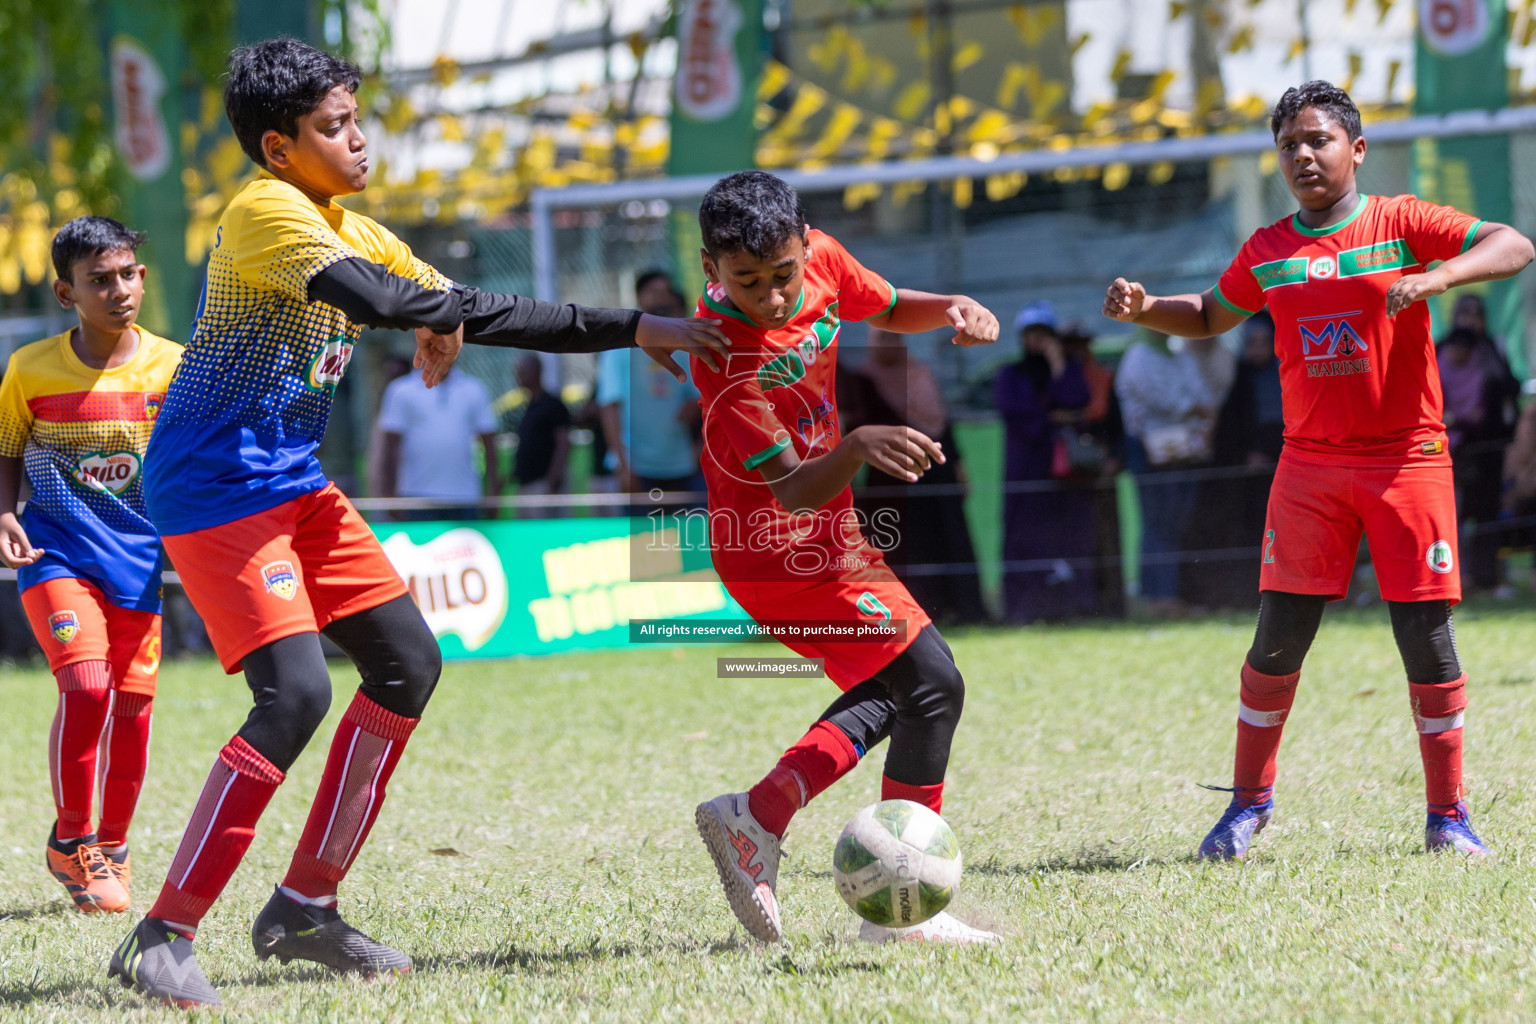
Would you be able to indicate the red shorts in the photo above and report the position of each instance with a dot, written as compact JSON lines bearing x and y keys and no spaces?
{"x":1317,"y":512}
{"x":863,"y":600}
{"x":73,"y":622}
{"x":292,"y":569}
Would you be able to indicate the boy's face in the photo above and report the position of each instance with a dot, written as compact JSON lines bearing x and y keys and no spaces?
{"x":1317,"y":158}
{"x":105,"y":290}
{"x":765,"y":290}
{"x":329,"y":155}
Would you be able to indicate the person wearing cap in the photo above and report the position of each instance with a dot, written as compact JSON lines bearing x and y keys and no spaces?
{"x":1048,"y":541}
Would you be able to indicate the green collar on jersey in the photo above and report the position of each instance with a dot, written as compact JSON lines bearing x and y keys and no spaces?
{"x":734,"y":315}
{"x":1330,"y":229}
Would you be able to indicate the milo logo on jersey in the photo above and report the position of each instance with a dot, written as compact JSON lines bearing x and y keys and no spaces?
{"x":330,"y":363}
{"x":107,"y":472}
{"x":1331,"y":346}
{"x":783,"y":370}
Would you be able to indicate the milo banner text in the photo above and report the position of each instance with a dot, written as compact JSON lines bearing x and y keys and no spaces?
{"x":495,"y":589}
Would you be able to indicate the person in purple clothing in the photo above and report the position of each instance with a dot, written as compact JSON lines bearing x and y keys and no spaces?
{"x":1048,"y":535}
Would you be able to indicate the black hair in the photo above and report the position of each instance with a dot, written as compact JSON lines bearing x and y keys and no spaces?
{"x":85,"y":237}
{"x":1463,"y":336}
{"x":657,"y":274}
{"x":273,"y":83}
{"x":750,"y":211}
{"x":1320,"y":95}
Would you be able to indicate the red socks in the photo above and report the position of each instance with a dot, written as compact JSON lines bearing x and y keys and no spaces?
{"x":931,"y":797}
{"x":222,"y":827}
{"x":1438,"y":711}
{"x":127,"y":758}
{"x":363,"y":755}
{"x":1261,"y":712}
{"x":823,"y":755}
{"x":85,"y":693}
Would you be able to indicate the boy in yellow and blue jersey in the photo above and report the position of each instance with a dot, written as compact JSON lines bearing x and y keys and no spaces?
{"x":270,"y":552}
{"x":75,"y":417}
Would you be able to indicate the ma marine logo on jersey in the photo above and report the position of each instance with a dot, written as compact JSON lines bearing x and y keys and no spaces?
{"x":816,"y":426}
{"x":107,"y":472}
{"x":64,"y":625}
{"x":789,"y":367}
{"x":279,"y":578}
{"x":330,"y":363}
{"x":1331,"y":346}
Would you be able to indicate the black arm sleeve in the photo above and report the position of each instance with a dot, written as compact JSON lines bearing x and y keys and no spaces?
{"x":370,"y":295}
{"x":515,"y":321}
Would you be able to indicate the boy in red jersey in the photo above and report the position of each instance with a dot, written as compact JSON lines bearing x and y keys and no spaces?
{"x":270,"y":552}
{"x":1365,"y":447}
{"x":785,"y":539}
{"x":75,"y":415}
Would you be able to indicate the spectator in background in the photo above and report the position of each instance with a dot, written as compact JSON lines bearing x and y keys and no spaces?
{"x":1169,"y":407}
{"x":1519,"y":501}
{"x":927,"y":519}
{"x":543,"y":436}
{"x":649,"y":419}
{"x":428,"y":440}
{"x":1095,"y":439}
{"x":1049,"y":527}
{"x":1249,"y":432}
{"x":1477,"y":387}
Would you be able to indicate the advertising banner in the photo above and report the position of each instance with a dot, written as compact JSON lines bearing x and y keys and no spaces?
{"x":1460,"y":65}
{"x":495,"y":589}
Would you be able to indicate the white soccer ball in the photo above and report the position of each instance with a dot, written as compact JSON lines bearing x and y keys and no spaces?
{"x":897,"y":864}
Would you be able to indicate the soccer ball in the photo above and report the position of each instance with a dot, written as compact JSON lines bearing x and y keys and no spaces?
{"x":896,"y":864}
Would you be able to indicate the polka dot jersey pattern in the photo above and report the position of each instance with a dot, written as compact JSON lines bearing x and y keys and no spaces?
{"x":81,"y":434}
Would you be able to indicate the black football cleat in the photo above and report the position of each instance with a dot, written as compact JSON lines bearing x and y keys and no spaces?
{"x":290,"y":930}
{"x":160,"y":963}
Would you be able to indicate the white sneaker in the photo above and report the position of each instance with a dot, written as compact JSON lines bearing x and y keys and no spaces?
{"x":941,"y":927}
{"x":747,"y":857}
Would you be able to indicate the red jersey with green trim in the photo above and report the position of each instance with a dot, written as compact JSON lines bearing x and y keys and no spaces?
{"x":777,"y":390}
{"x":1354,"y":382}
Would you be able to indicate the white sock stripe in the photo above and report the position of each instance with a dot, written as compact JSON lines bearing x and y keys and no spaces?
{"x":58,"y":754}
{"x":341,"y":787}
{"x":373,"y":796}
{"x":1431,"y":726}
{"x":1260,"y":719}
{"x":213,"y":819}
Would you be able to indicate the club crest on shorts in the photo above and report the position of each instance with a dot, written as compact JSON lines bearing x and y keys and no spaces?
{"x":64,"y":626}
{"x":1439,"y":558}
{"x":280,"y":579}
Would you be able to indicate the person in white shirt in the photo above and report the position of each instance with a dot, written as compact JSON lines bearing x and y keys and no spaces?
{"x":429,"y":439}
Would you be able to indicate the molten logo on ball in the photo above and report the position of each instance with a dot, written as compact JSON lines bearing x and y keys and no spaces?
{"x":897,"y":864}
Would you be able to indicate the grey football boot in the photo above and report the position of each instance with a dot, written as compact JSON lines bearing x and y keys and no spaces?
{"x":290,"y":930}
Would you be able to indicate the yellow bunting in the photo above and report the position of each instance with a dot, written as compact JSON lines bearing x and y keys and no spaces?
{"x":990,"y":127}
{"x":808,"y":100}
{"x":1356,"y":62}
{"x":942,"y":120}
{"x":1208,"y":96}
{"x":445,"y":70}
{"x":844,"y":120}
{"x":1176,"y":10}
{"x":1269,"y":161}
{"x":1005,"y":186}
{"x":905,"y":190}
{"x":882,"y":75}
{"x":774,"y":78}
{"x":911,"y":101}
{"x":1117,"y":176}
{"x":856,"y":196}
{"x":857,"y":66}
{"x":828,"y":52}
{"x":1241,"y":40}
{"x":1067,"y":174}
{"x":450,"y":128}
{"x":1298,"y":47}
{"x":1394,"y":68}
{"x":1077,"y":44}
{"x":1012,"y":81}
{"x":1349,"y":8}
{"x":962,"y":193}
{"x":1160,"y":173}
{"x":967,"y":56}
{"x":1121,"y":65}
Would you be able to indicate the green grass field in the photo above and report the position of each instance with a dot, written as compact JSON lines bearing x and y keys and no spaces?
{"x":538,"y":859}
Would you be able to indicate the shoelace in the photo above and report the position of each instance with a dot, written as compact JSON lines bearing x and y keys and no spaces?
{"x":92,"y":863}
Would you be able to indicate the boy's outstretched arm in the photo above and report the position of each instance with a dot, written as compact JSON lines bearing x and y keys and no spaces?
{"x":915,"y":312}
{"x":1497,"y":251}
{"x":805,"y":486}
{"x":370,"y":294}
{"x":1183,"y":316}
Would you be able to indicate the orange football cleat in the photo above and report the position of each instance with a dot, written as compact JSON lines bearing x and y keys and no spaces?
{"x":120,"y":864}
{"x":87,"y":876}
